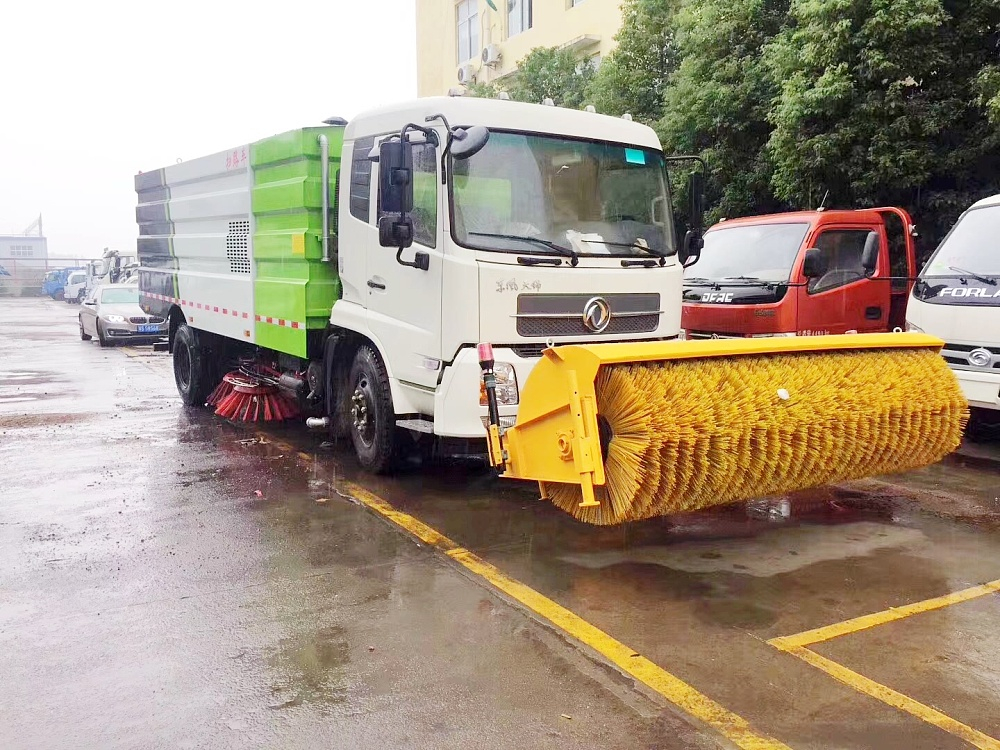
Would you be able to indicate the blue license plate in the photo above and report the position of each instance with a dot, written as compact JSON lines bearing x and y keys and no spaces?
{"x":149,"y":329}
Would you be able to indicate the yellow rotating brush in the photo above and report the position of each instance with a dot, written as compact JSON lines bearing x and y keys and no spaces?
{"x":681,"y":426}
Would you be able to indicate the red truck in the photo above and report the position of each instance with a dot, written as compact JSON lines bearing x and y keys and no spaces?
{"x":804,"y":273}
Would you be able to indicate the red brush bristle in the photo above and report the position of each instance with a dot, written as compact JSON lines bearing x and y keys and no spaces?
{"x":242,"y":398}
{"x":222,"y":390}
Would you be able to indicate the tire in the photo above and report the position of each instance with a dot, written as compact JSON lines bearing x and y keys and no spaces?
{"x":84,"y":336}
{"x":192,"y":374}
{"x":984,"y":425}
{"x":59,"y":296}
{"x":373,"y":420}
{"x":101,"y":338}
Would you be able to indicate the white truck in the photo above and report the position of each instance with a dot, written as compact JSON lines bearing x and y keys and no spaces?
{"x":554,"y":225}
{"x":111,"y":268}
{"x":957,"y":299}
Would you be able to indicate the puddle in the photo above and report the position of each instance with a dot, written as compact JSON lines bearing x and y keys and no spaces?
{"x":773,"y":552}
{"x":312,"y":668}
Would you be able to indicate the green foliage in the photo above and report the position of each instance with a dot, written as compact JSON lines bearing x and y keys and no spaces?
{"x":633,"y":77}
{"x":545,"y":72}
{"x":718,"y":100}
{"x":988,"y":85}
{"x":879,"y":105}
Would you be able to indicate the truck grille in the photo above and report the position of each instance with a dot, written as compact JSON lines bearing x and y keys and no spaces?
{"x":958,"y":355}
{"x":562,"y":314}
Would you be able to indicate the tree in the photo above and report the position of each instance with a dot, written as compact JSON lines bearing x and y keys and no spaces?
{"x":633,"y":77}
{"x":879,"y":105}
{"x":545,"y":72}
{"x":718,"y":101}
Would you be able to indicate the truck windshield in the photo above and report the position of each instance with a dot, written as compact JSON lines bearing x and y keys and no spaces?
{"x":971,"y":248}
{"x":761,"y":252}
{"x":540,"y":195}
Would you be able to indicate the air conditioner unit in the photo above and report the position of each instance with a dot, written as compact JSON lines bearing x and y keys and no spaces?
{"x":466,"y":74}
{"x":492,"y":54}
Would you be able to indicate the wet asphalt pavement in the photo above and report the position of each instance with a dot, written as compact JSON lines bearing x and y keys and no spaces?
{"x":169,"y":580}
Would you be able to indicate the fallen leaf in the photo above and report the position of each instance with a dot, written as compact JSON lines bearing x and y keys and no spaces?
{"x":322,"y":500}
{"x":258,"y":493}
{"x":567,"y":716}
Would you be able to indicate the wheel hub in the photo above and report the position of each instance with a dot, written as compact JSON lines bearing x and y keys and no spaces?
{"x":360,"y":411}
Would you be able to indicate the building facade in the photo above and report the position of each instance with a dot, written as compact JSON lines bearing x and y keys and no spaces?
{"x":460,"y":42}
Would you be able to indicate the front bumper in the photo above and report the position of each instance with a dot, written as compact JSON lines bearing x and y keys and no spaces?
{"x":457,"y":412}
{"x":981,"y":389}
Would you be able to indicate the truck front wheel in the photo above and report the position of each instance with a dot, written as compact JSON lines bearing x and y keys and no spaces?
{"x":371,"y":416}
{"x":190,"y":368}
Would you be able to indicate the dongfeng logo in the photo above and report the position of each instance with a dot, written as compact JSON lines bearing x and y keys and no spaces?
{"x":980,"y":357}
{"x":597,"y":314}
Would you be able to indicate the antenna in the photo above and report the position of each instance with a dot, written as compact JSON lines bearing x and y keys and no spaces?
{"x":822,"y":203}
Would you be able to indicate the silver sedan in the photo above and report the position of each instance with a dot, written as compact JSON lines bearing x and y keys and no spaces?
{"x":111,"y":313}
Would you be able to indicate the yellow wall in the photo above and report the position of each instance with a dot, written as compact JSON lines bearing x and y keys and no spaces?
{"x":554,"y":23}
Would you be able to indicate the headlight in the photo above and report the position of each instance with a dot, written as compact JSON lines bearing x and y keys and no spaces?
{"x":506,"y":385}
{"x":114,"y":318}
{"x":911,"y":327}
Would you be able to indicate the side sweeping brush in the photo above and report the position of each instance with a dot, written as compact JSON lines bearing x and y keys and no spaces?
{"x":251,"y":394}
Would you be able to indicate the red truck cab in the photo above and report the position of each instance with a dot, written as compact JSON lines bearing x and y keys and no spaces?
{"x":805,"y":273}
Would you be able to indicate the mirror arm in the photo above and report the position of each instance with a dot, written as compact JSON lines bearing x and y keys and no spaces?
{"x":447,"y":146}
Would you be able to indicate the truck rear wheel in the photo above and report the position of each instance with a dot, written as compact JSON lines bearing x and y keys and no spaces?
{"x":191,"y":371}
{"x":372,"y":418}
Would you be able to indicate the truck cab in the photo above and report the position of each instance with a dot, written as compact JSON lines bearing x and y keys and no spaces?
{"x":957,"y":299}
{"x":803,"y":273}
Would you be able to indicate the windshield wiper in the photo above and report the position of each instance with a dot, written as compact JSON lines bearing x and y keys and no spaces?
{"x":568,"y":252}
{"x":631,"y":245}
{"x":536,"y":261}
{"x":753,"y":279}
{"x":970,"y":274}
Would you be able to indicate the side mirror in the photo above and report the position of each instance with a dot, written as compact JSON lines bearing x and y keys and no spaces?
{"x":696,"y":195}
{"x":869,"y":256}
{"x":395,"y":183}
{"x":690,"y":249}
{"x":466,"y":143}
{"x":395,"y":231}
{"x":814,"y":264}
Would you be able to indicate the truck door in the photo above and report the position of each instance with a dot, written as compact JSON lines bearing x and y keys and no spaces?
{"x":844,"y":298}
{"x":404,"y":303}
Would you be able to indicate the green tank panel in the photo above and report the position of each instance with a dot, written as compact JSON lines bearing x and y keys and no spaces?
{"x":294,"y":290}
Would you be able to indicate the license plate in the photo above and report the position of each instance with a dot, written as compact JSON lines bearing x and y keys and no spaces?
{"x":149,"y":329}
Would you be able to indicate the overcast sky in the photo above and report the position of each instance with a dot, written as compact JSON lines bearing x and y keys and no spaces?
{"x":93,"y":92}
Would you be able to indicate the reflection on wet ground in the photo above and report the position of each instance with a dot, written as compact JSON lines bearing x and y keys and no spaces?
{"x":170,"y":576}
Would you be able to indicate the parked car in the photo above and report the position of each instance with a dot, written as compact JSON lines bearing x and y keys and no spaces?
{"x":111,"y":312}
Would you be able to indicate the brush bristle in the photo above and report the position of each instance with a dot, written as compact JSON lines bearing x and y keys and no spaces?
{"x":689,"y":434}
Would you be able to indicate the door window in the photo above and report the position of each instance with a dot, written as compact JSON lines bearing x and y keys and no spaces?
{"x":361,"y":178}
{"x":425,"y":194}
{"x":842,"y":249}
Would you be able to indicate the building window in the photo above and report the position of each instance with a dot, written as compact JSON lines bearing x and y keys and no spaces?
{"x":361,"y":178}
{"x":467,"y":12}
{"x":518,"y":16}
{"x":21,"y":251}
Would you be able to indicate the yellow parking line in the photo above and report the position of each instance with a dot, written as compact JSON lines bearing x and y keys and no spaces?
{"x":893,"y":698}
{"x":864,"y":622}
{"x":673,"y":689}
